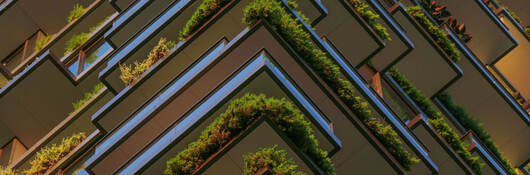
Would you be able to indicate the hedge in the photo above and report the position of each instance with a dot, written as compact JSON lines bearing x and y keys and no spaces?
{"x":204,"y":12}
{"x":370,"y":17}
{"x":291,"y":30}
{"x":272,"y":158}
{"x":130,"y":74}
{"x":435,"y":32}
{"x":527,"y":30}
{"x":240,"y":114}
{"x":47,"y":157}
{"x":469,"y":123}
{"x":436,"y":120}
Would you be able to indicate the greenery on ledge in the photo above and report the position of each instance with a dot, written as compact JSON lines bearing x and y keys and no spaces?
{"x":239,"y":115}
{"x":435,"y":32}
{"x":204,"y":12}
{"x":130,"y":74}
{"x":291,"y":30}
{"x":469,"y":123}
{"x":47,"y":157}
{"x":527,"y":30}
{"x":76,"y":12}
{"x":272,"y":158}
{"x":88,"y":96}
{"x":41,"y":42}
{"x":8,"y":171}
{"x":370,"y":17}
{"x":79,"y":39}
{"x":514,"y":16}
{"x":436,"y":120}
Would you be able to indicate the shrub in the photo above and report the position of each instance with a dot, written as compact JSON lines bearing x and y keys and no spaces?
{"x":80,"y":39}
{"x":271,"y":158}
{"x":435,"y":32}
{"x":370,"y":17}
{"x":75,"y":41}
{"x":76,"y":12}
{"x":47,"y":157}
{"x":527,"y":30}
{"x":41,"y":42}
{"x":88,"y":96}
{"x":436,"y":120}
{"x":300,"y":40}
{"x":129,"y":74}
{"x":469,"y":123}
{"x":239,"y":115}
{"x":8,"y":171}
{"x":204,"y":12}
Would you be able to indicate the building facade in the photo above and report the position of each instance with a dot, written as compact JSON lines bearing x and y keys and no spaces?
{"x":265,"y":87}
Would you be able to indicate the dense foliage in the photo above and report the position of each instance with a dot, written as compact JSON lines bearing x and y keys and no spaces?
{"x":130,"y":74}
{"x":271,"y":158}
{"x":204,"y":12}
{"x":527,"y":30}
{"x":435,"y":32}
{"x":469,"y":123}
{"x":239,"y":115}
{"x":47,"y":157}
{"x":88,"y":96}
{"x":369,"y":16}
{"x":436,"y":120}
{"x":76,"y":12}
{"x":291,"y":30}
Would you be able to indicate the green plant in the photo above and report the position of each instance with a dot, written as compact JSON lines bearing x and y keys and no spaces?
{"x":239,"y":115}
{"x":129,"y":74}
{"x":76,"y":12}
{"x":527,"y":30}
{"x":293,"y":33}
{"x":8,"y":171}
{"x":370,"y":17}
{"x":469,"y":123}
{"x":41,"y":42}
{"x":75,"y":41}
{"x":204,"y":12}
{"x":271,"y":158}
{"x":80,"y":39}
{"x":436,"y":120}
{"x":88,"y":96}
{"x":47,"y":157}
{"x":435,"y":32}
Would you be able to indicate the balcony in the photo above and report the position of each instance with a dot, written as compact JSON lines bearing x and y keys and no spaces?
{"x":54,"y":79}
{"x":479,"y":85}
{"x":510,"y":70}
{"x":347,"y":29}
{"x":435,"y":63}
{"x":77,"y":122}
{"x":491,"y":39}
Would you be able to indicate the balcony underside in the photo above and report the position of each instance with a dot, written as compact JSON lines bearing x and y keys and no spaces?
{"x":25,"y":18}
{"x":491,"y":41}
{"x":515,"y":65}
{"x":349,"y":33}
{"x":493,"y":110}
{"x":426,"y":66}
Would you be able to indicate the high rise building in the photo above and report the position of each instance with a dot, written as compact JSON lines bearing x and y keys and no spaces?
{"x":265,"y":87}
